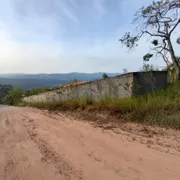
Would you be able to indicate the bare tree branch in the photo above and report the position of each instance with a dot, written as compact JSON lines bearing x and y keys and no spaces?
{"x":174,"y":27}
{"x":164,"y":58}
{"x":159,"y":29}
{"x":153,"y":35}
{"x":162,"y":47}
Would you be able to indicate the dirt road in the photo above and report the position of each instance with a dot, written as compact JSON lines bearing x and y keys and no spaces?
{"x":35,"y":145}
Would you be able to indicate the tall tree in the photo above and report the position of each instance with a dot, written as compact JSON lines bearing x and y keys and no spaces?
{"x":158,"y":20}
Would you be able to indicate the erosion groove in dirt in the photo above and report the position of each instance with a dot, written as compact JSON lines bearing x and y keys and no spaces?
{"x":51,"y":156}
{"x":40,"y":145}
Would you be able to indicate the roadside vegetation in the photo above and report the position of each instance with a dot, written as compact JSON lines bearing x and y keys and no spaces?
{"x":14,"y":96}
{"x":160,"y":108}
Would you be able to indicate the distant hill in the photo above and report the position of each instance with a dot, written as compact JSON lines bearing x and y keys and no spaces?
{"x":32,"y":83}
{"x":29,"y":81}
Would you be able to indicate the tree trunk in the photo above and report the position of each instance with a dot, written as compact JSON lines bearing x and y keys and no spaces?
{"x":175,"y":61}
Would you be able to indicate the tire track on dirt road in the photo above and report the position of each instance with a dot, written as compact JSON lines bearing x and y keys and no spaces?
{"x":49,"y":155}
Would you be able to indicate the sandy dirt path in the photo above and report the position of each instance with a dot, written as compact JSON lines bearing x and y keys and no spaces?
{"x":36,"y":145}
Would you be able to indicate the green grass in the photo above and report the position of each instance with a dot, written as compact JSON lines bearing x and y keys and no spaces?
{"x":161,"y":108}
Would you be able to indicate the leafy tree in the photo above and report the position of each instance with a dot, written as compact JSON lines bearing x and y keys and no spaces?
{"x":158,"y":20}
{"x":14,"y":96}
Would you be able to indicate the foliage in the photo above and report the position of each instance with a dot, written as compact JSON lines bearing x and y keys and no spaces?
{"x":129,"y":40}
{"x":14,"y":97}
{"x":161,"y":108}
{"x":158,"y":20}
{"x":147,"y":57}
{"x":4,"y":91}
{"x":105,"y":76}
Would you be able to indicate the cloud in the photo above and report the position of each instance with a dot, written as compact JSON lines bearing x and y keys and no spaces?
{"x":104,"y":55}
{"x":46,"y":36}
{"x":61,"y":8}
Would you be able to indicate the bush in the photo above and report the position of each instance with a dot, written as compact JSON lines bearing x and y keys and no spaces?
{"x":14,"y":97}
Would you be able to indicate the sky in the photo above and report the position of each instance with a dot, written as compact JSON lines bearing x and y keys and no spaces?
{"x":60,"y":36}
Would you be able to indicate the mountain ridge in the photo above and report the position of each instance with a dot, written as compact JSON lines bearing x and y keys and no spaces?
{"x":29,"y":81}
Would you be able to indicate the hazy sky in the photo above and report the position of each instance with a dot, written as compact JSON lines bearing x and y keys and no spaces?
{"x":57,"y":36}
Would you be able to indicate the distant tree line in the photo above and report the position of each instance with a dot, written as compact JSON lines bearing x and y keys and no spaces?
{"x":4,"y":91}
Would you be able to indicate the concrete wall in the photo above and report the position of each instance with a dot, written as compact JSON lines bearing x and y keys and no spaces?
{"x":119,"y":86}
{"x":122,"y":86}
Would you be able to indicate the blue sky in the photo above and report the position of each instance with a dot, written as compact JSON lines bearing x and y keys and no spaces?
{"x":58,"y":36}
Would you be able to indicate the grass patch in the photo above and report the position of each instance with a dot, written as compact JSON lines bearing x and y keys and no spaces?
{"x":161,"y":108}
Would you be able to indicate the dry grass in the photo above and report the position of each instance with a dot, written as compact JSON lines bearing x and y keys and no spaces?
{"x":161,"y":108}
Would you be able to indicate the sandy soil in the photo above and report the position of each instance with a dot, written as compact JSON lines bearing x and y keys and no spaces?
{"x":36,"y":145}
